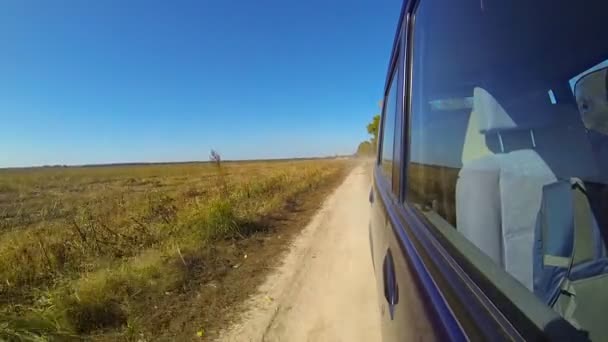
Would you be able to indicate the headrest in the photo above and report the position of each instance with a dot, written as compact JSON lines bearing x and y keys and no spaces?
{"x":530,"y":111}
{"x":491,"y":115}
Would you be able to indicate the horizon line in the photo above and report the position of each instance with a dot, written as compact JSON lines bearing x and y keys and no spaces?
{"x":144,"y":163}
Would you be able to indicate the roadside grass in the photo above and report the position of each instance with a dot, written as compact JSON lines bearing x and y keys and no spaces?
{"x":86,"y":251}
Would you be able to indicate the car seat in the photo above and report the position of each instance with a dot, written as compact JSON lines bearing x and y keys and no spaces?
{"x":506,"y":162}
{"x":570,"y":263}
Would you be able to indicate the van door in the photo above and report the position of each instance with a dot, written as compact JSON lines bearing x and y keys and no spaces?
{"x":407,"y":311}
{"x":405,"y":316}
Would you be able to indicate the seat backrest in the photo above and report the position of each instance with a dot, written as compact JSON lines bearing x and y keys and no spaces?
{"x":570,"y":263}
{"x":498,"y":192}
{"x":506,"y":162}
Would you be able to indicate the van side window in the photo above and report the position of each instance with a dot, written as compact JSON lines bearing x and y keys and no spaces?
{"x":388,"y":129}
{"x":498,"y":150}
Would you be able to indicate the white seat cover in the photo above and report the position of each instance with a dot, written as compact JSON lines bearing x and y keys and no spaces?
{"x":523,"y":174}
{"x":498,"y":195}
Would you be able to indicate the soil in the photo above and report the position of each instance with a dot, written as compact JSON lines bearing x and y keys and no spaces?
{"x":325,"y":289}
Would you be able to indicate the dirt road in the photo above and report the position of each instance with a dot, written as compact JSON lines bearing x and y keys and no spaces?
{"x":325,"y":289}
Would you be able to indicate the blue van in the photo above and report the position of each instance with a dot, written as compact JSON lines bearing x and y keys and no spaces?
{"x":490,"y":197}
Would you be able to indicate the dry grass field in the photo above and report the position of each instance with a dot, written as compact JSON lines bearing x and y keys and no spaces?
{"x":433,"y":186}
{"x":138,"y":252}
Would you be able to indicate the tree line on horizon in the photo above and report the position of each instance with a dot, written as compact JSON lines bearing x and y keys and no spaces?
{"x":367,"y":148}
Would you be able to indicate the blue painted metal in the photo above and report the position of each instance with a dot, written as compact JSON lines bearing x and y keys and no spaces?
{"x":445,"y":317}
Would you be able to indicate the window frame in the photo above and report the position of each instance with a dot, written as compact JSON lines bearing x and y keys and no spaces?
{"x":405,"y":95}
{"x":382,"y":128}
{"x":396,"y":70}
{"x":399,"y":150}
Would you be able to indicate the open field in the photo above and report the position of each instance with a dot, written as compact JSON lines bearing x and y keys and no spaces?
{"x":141,"y":252}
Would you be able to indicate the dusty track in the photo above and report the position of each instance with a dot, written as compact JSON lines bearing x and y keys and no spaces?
{"x":325,"y":289}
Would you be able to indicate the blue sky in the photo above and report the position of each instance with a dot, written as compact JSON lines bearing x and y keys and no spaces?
{"x":120,"y":81}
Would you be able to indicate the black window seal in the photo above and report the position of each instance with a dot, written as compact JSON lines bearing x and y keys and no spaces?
{"x":382,"y":124}
{"x":406,"y":94}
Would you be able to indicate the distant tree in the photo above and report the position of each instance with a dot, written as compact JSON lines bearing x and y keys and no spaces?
{"x":372,"y":129}
{"x":368,"y":148}
{"x":365,"y":149}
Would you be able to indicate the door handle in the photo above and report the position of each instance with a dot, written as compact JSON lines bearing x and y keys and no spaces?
{"x":371,"y":195}
{"x":391,"y":289}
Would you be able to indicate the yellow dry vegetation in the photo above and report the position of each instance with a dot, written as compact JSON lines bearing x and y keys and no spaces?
{"x":82,"y":247}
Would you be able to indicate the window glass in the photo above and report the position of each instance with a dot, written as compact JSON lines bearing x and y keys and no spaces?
{"x":388,"y":129}
{"x":509,"y":142}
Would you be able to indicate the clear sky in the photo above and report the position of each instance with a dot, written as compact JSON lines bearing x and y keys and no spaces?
{"x":124,"y":81}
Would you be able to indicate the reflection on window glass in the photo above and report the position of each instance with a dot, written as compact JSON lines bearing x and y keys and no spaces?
{"x":592,"y":100}
{"x":596,"y":67}
{"x":388,"y":131}
{"x":512,"y":152}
